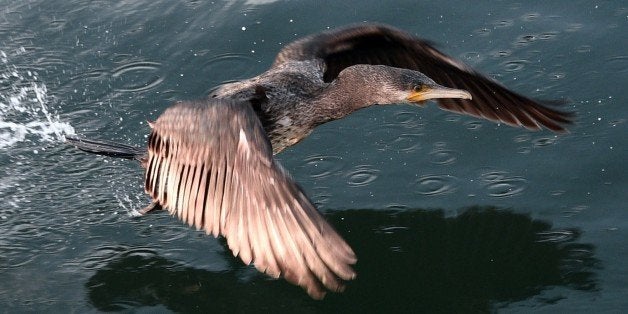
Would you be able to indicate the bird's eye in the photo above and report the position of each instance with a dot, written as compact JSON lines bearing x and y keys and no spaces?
{"x":417,"y":88}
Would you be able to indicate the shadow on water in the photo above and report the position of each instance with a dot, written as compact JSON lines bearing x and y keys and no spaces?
{"x":409,"y":261}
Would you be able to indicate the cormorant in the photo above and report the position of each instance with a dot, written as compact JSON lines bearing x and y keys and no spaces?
{"x":211,"y":163}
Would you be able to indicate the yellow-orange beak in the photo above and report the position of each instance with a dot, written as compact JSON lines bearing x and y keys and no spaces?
{"x":436,"y":91}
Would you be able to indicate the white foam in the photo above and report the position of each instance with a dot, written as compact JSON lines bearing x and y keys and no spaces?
{"x":25,"y":109}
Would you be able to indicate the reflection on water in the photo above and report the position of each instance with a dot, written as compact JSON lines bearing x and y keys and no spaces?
{"x":409,"y":261}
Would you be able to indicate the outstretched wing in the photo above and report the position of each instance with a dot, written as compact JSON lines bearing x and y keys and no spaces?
{"x":211,"y":164}
{"x":380,"y":44}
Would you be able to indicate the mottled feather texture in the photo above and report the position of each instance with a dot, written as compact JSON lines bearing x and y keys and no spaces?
{"x":210,"y":163}
{"x":385,"y":45}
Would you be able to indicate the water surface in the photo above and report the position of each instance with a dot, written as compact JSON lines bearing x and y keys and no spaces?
{"x":446,"y":213}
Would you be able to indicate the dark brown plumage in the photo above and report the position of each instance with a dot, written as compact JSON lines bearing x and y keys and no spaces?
{"x":211,"y":163}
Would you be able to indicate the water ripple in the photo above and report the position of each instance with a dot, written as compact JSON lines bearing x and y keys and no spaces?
{"x":583,"y":49}
{"x":137,"y":76}
{"x":530,"y":16}
{"x":473,"y":125}
{"x":321,"y":166}
{"x":525,"y":40}
{"x":501,"y":184}
{"x":521,"y":138}
{"x":103,"y":255}
{"x":441,"y":155}
{"x":320,"y":196}
{"x":501,"y":53}
{"x":407,"y":142}
{"x":389,"y":137}
{"x":408,"y":119}
{"x":544,"y":141}
{"x":557,"y":236}
{"x":548,"y":35}
{"x":575,"y":210}
{"x":503,"y":23}
{"x":433,"y":185}
{"x":362,"y":175}
{"x":515,"y":65}
{"x":617,"y":64}
{"x":229,"y":65}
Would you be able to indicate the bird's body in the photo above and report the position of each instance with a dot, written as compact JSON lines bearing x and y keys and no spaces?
{"x":210,"y":162}
{"x":291,"y":119}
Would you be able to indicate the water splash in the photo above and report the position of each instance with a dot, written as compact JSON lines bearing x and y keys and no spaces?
{"x":25,"y":114}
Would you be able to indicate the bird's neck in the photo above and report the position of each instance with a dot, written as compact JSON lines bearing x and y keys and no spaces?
{"x":342,"y":97}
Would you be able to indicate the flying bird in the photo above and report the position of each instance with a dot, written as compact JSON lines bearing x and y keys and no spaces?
{"x":210,"y":161}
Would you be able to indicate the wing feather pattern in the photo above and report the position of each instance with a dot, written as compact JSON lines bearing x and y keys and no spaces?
{"x":210,"y":163}
{"x":384,"y":45}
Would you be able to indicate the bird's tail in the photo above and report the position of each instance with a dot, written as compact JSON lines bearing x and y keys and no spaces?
{"x":107,"y":148}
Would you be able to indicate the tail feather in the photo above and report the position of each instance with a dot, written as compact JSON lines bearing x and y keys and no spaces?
{"x":107,"y":148}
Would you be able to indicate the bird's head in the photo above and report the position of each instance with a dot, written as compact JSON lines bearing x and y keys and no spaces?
{"x":418,"y":87}
{"x":389,"y":85}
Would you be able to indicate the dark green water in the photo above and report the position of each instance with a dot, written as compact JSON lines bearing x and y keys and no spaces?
{"x":446,"y":213}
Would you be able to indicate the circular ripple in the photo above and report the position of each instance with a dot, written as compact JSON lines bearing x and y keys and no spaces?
{"x":575,"y":210}
{"x":548,"y":35}
{"x":515,"y":65}
{"x":320,"y":196}
{"x":472,"y":57}
{"x":128,"y":76}
{"x":574,"y":27}
{"x":229,"y":66}
{"x":493,"y":176}
{"x":408,"y":119}
{"x":320,"y":166}
{"x":617,"y":64}
{"x":616,"y":122}
{"x":453,"y":118}
{"x":407,"y":142}
{"x":503,"y":23}
{"x":544,"y":141}
{"x":521,"y":138}
{"x":362,"y":175}
{"x":584,"y":49}
{"x":530,"y":16}
{"x":473,"y":125}
{"x":524,"y":150}
{"x":443,"y":156}
{"x":557,"y":236}
{"x":501,"y":53}
{"x":499,"y":184}
{"x":557,"y":75}
{"x":525,"y":40}
{"x":436,"y":184}
{"x":484,"y":31}
{"x":507,"y":187}
{"x":92,"y":75}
